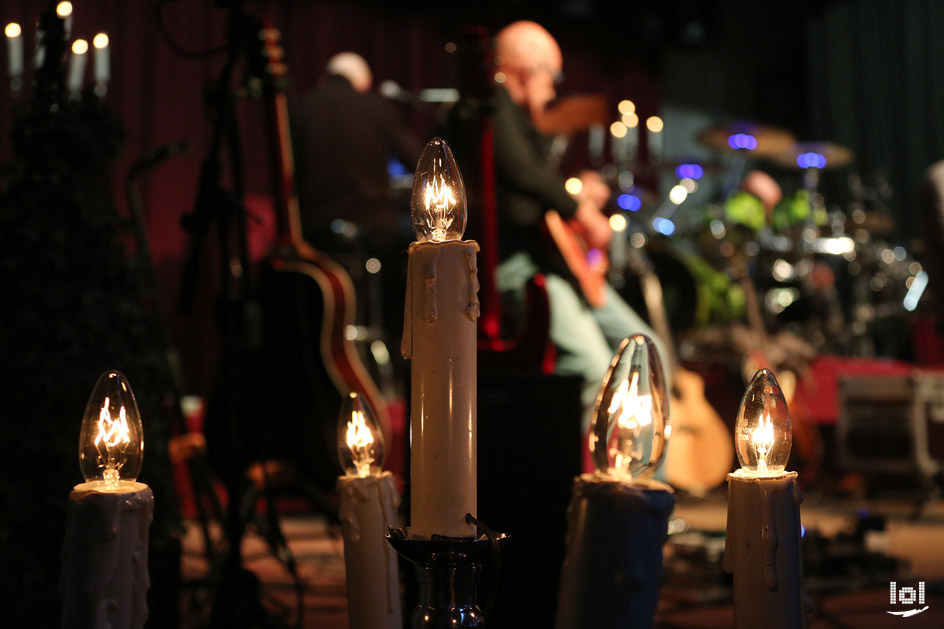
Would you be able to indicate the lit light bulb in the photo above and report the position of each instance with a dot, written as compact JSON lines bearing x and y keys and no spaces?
{"x":763,"y":434}
{"x":111,"y":442}
{"x":79,"y":47}
{"x":360,"y":440}
{"x":628,"y":431}
{"x":100,"y":41}
{"x":438,"y":206}
{"x":64,"y":9}
{"x":12,"y":30}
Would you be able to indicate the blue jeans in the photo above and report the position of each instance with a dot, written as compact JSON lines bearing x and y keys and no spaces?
{"x":586,"y":338}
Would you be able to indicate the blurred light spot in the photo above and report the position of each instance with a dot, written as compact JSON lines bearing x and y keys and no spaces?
{"x":79,"y":47}
{"x":915,"y":291}
{"x":100,"y":41}
{"x":64,"y":9}
{"x":742,"y":141}
{"x":811,"y":160}
{"x":626,"y":107}
{"x":450,"y":47}
{"x":573,"y":186}
{"x":654,"y":124}
{"x":630,"y":120}
{"x":12,"y":30}
{"x":690,"y":185}
{"x":618,"y":130}
{"x":372,"y":265}
{"x":594,"y":257}
{"x":663,"y":225}
{"x":618,"y":222}
{"x":678,"y":194}
{"x":629,"y":202}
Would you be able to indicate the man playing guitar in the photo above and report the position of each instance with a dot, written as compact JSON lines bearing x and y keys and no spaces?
{"x":586,"y":327}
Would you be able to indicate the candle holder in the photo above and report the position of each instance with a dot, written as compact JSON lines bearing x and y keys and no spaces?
{"x":448,"y":570}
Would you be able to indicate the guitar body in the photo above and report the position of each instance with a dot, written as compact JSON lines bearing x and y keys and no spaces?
{"x":588,"y":265}
{"x":307,"y":364}
{"x":701,"y":449}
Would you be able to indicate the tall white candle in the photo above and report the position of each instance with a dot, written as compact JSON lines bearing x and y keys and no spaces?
{"x":14,"y":49}
{"x":439,"y":337}
{"x":101,"y":67}
{"x":77,"y":65}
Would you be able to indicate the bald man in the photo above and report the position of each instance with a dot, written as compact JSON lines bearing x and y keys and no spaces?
{"x":344,"y":138}
{"x":528,"y":66}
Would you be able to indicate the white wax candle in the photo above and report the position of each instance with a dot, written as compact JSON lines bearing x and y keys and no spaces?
{"x":15,"y":49}
{"x":77,"y":65}
{"x":439,"y":336}
{"x":368,"y":507}
{"x":104,"y":579}
{"x":101,"y":67}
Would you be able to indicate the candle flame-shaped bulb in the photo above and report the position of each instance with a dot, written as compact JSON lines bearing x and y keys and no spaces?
{"x":763,"y":433}
{"x":111,"y":442}
{"x":360,"y":440}
{"x":628,"y":430}
{"x":438,"y":206}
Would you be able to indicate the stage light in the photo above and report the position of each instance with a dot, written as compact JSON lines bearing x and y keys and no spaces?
{"x":629,"y":202}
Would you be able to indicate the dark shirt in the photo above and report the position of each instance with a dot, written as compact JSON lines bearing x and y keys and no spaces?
{"x":526,"y":186}
{"x":343,"y":142}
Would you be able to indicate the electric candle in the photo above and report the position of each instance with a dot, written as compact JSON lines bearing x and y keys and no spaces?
{"x":369,"y":500}
{"x":105,"y":576}
{"x":618,"y":517}
{"x":655,"y":126}
{"x":439,"y":337}
{"x":14,"y":36}
{"x":77,"y":65}
{"x":101,"y":68}
{"x":762,"y":546}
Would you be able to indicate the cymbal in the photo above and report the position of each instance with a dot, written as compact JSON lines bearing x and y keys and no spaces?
{"x":822,"y":155}
{"x":760,"y":140}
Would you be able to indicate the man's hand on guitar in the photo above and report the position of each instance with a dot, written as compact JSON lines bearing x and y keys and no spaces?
{"x":592,"y":197}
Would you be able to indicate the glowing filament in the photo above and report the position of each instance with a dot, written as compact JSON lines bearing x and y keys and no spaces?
{"x":635,"y":412}
{"x":439,"y":200}
{"x":359,"y":441}
{"x":111,"y":434}
{"x":763,"y":439}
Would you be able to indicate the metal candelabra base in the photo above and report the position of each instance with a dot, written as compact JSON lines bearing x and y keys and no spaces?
{"x":448,"y":570}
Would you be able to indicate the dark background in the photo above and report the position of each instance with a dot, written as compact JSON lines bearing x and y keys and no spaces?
{"x":865,"y":74}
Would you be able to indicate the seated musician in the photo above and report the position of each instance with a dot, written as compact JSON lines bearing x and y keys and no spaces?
{"x":528,"y":63}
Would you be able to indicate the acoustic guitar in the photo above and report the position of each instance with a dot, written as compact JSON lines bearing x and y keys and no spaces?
{"x":308,"y":303}
{"x":702,"y":449}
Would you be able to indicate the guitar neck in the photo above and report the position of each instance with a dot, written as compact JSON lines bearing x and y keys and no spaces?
{"x":288,"y":218}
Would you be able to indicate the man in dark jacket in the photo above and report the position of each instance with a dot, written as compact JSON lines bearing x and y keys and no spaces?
{"x":345,"y":136}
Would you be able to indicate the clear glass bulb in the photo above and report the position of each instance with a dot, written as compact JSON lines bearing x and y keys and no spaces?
{"x":628,"y":430}
{"x":763,"y":433}
{"x":360,"y":439}
{"x":438,"y":206}
{"x":111,"y":442}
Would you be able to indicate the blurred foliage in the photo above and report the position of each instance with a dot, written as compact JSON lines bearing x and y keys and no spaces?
{"x":76,"y":303}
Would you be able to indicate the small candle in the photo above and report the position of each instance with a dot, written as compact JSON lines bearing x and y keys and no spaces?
{"x":762,"y":546}
{"x":617,"y":521}
{"x":439,"y":337}
{"x":14,"y":49}
{"x":64,"y":11}
{"x":77,"y":65}
{"x":654,"y":126}
{"x":104,"y":579}
{"x":369,"y":500}
{"x":101,"y":67}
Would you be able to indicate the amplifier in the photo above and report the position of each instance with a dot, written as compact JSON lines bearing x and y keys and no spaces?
{"x":892,"y":424}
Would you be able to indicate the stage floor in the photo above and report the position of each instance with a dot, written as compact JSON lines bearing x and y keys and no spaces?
{"x":846,"y":579}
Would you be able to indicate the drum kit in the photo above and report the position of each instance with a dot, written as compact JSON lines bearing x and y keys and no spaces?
{"x":826,"y":273}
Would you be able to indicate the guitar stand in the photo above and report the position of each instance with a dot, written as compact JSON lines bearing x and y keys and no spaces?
{"x":237,"y":602}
